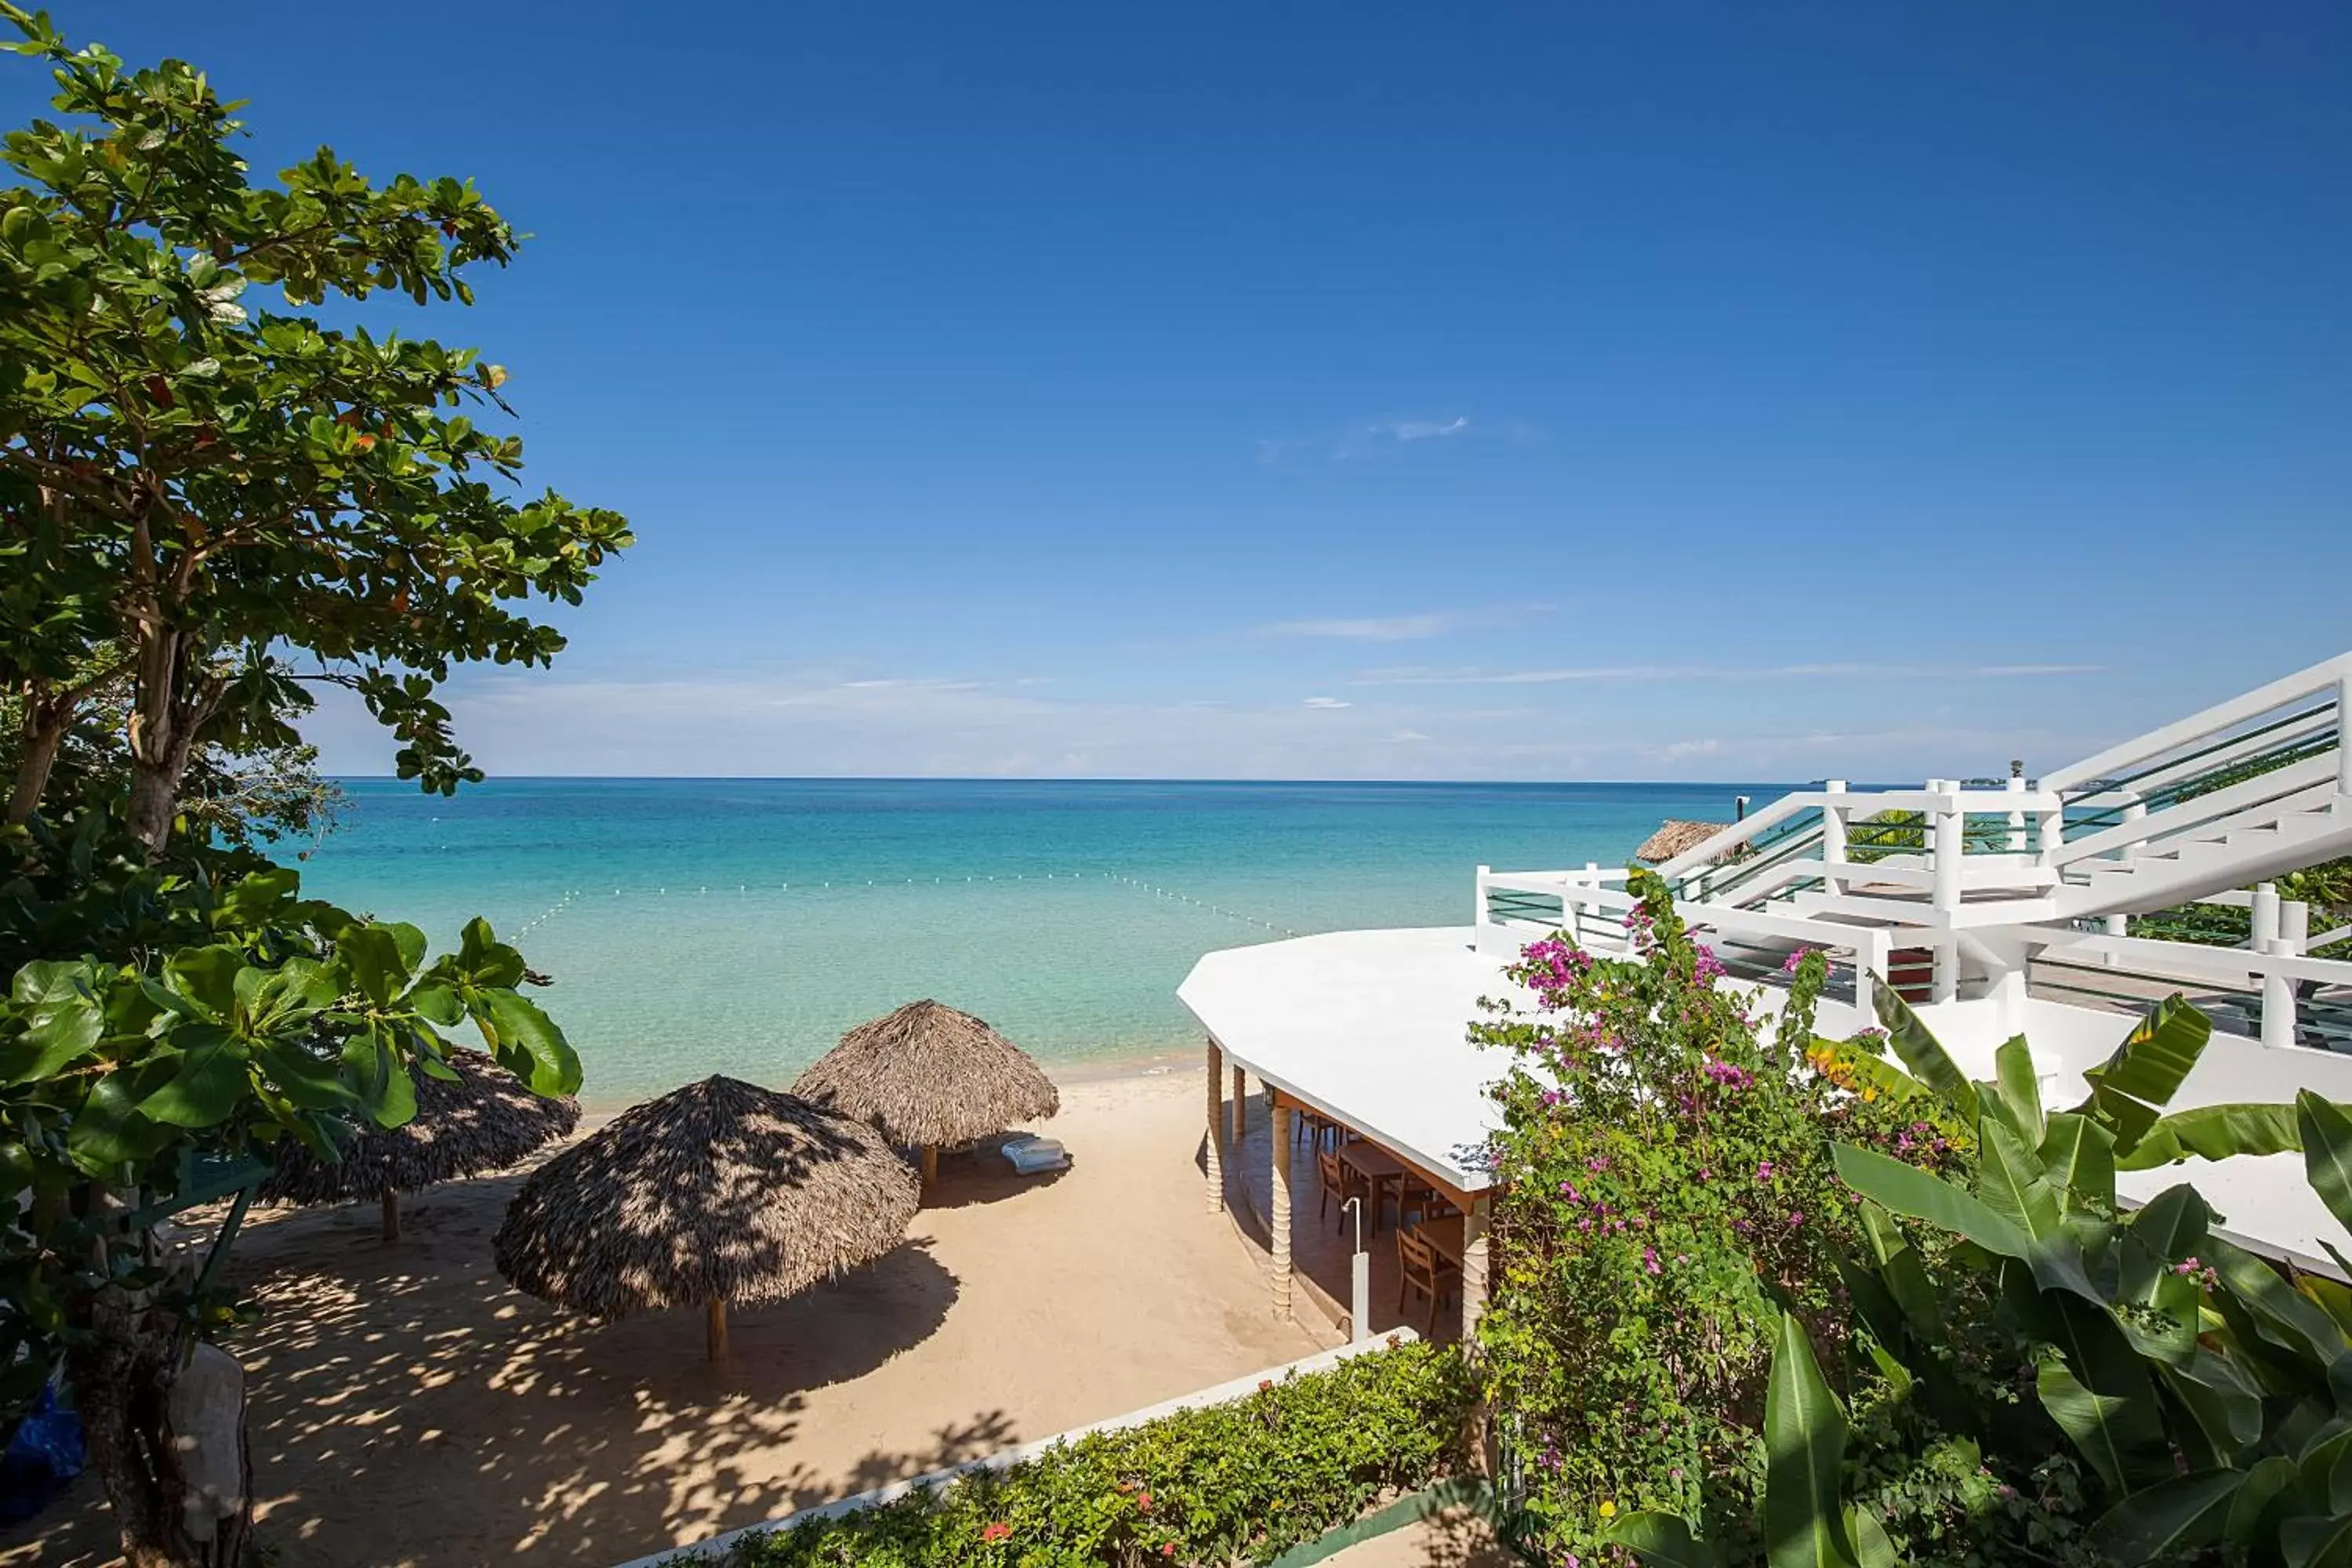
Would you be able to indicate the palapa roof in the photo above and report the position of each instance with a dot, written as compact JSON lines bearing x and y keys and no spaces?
{"x":485,"y":1122}
{"x":928,"y":1074}
{"x":721,"y":1189}
{"x":1676,"y":837}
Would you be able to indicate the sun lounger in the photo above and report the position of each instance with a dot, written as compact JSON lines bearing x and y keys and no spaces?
{"x":1035,"y":1156}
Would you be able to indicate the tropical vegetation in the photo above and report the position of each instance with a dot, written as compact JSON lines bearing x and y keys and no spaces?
{"x":1967,"y":1350}
{"x":213,"y":501}
{"x":1236,"y":1482}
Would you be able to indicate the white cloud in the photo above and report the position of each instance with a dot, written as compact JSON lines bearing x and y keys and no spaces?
{"x":1411,"y":675}
{"x":1407,"y":738}
{"x":1370,"y":437}
{"x":1425,"y":429}
{"x":1325,"y":703}
{"x":1370,"y":628}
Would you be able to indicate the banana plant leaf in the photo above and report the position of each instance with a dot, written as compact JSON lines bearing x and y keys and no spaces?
{"x":1916,"y":1045}
{"x":1805,"y":1465}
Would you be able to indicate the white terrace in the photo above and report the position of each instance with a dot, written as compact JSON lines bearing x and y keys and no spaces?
{"x":1996,"y":910}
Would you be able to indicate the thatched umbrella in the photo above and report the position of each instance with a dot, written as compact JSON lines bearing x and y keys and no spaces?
{"x":485,"y":1122}
{"x":715,"y":1192}
{"x":1676,"y":837}
{"x":929,"y":1074}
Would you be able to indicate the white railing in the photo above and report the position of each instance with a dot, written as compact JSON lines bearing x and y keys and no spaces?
{"x":1941,"y":872}
{"x":2329,"y":680}
{"x":1602,"y":894}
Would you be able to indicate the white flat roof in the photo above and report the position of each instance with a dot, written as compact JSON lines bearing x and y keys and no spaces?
{"x":1372,"y":1026}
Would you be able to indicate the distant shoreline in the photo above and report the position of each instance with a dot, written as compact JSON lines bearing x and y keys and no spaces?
{"x":1066,"y":1074}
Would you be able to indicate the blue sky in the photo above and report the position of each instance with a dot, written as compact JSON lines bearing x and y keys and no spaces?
{"x":1307,"y":390}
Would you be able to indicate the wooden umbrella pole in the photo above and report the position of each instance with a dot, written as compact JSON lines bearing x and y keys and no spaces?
{"x":714,"y":1328}
{"x":392,"y":1214}
{"x":931,"y":1163}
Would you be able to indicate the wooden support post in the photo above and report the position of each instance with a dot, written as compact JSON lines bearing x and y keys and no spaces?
{"x":1241,"y":1105}
{"x":714,"y":1327}
{"x":1216,"y":1128}
{"x":931,"y":1163}
{"x":392,"y":1214}
{"x":1475,"y":1266}
{"x":1278,"y":1128}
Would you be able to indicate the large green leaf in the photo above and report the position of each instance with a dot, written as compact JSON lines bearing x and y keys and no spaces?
{"x":2225,"y":1406}
{"x":2015,"y":1091}
{"x":2009,"y":1178}
{"x":210,"y":1083}
{"x":1804,"y":1460}
{"x":108,"y":1130}
{"x":1914,"y":1193}
{"x":379,"y":1079}
{"x":2280,"y":1315}
{"x":250,"y":900}
{"x":64,"y":1020}
{"x":304,"y":1080}
{"x":2214,"y":1132}
{"x":371,"y":956}
{"x":2100,"y":1394}
{"x":1922,"y":1052}
{"x":2078,"y":1159}
{"x":2326,"y":1134}
{"x":2157,"y":1055}
{"x":207,"y":977}
{"x":2254,"y":1511}
{"x":2316,"y":1542}
{"x":1664,"y":1541}
{"x":529,"y":1044}
{"x":1872,"y":1548}
{"x":2168,"y":1517}
{"x":2134,"y":1085}
{"x":2168,"y":1229}
{"x":484,"y":959}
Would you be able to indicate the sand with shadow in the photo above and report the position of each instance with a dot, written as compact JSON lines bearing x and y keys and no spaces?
{"x":408,"y":1407}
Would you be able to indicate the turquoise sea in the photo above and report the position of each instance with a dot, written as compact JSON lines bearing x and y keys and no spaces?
{"x":695,"y":926}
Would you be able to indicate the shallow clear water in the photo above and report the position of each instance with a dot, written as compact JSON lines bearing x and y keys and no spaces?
{"x":716,"y":925}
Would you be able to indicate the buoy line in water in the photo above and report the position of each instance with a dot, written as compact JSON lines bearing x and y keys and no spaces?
{"x":853,"y":884}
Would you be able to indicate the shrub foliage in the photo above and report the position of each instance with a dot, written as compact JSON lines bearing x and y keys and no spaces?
{"x":1238,"y":1482}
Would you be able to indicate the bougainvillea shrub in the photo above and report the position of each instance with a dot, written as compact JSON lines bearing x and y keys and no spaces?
{"x":1665,"y":1188}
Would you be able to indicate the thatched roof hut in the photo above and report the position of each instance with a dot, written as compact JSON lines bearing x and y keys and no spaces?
{"x":1676,"y":837}
{"x":720,"y":1192}
{"x":487,"y":1120}
{"x":929,"y":1076}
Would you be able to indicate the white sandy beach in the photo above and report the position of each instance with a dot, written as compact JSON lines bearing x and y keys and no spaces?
{"x":408,"y":1407}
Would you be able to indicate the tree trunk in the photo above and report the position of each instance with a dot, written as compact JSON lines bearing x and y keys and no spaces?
{"x":392,"y":1214}
{"x":176,"y":1469}
{"x":47,"y":720}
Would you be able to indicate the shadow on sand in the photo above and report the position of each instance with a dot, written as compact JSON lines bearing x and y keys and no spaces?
{"x":979,"y":1174}
{"x":409,"y":1407}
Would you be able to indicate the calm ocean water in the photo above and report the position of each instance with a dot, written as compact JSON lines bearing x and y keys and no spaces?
{"x":719,"y":925}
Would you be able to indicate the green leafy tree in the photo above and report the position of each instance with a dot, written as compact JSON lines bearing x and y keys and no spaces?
{"x":200,"y":483}
{"x":191,"y":477}
{"x":209,"y":1013}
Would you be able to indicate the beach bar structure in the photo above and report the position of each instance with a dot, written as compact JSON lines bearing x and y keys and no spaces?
{"x":1996,"y":908}
{"x":1365,"y":1032}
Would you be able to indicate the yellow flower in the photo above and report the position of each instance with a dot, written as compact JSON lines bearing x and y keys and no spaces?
{"x":1608,"y":1509}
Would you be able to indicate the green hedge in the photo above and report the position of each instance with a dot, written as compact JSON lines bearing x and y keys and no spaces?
{"x":1238,"y":1482}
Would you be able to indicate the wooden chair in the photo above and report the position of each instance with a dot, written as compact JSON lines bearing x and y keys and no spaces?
{"x":1420,"y":1269}
{"x":1422,"y":1199}
{"x":1339,"y":1182}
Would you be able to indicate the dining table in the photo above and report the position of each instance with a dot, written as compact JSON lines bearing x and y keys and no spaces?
{"x":1379,"y":1168}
